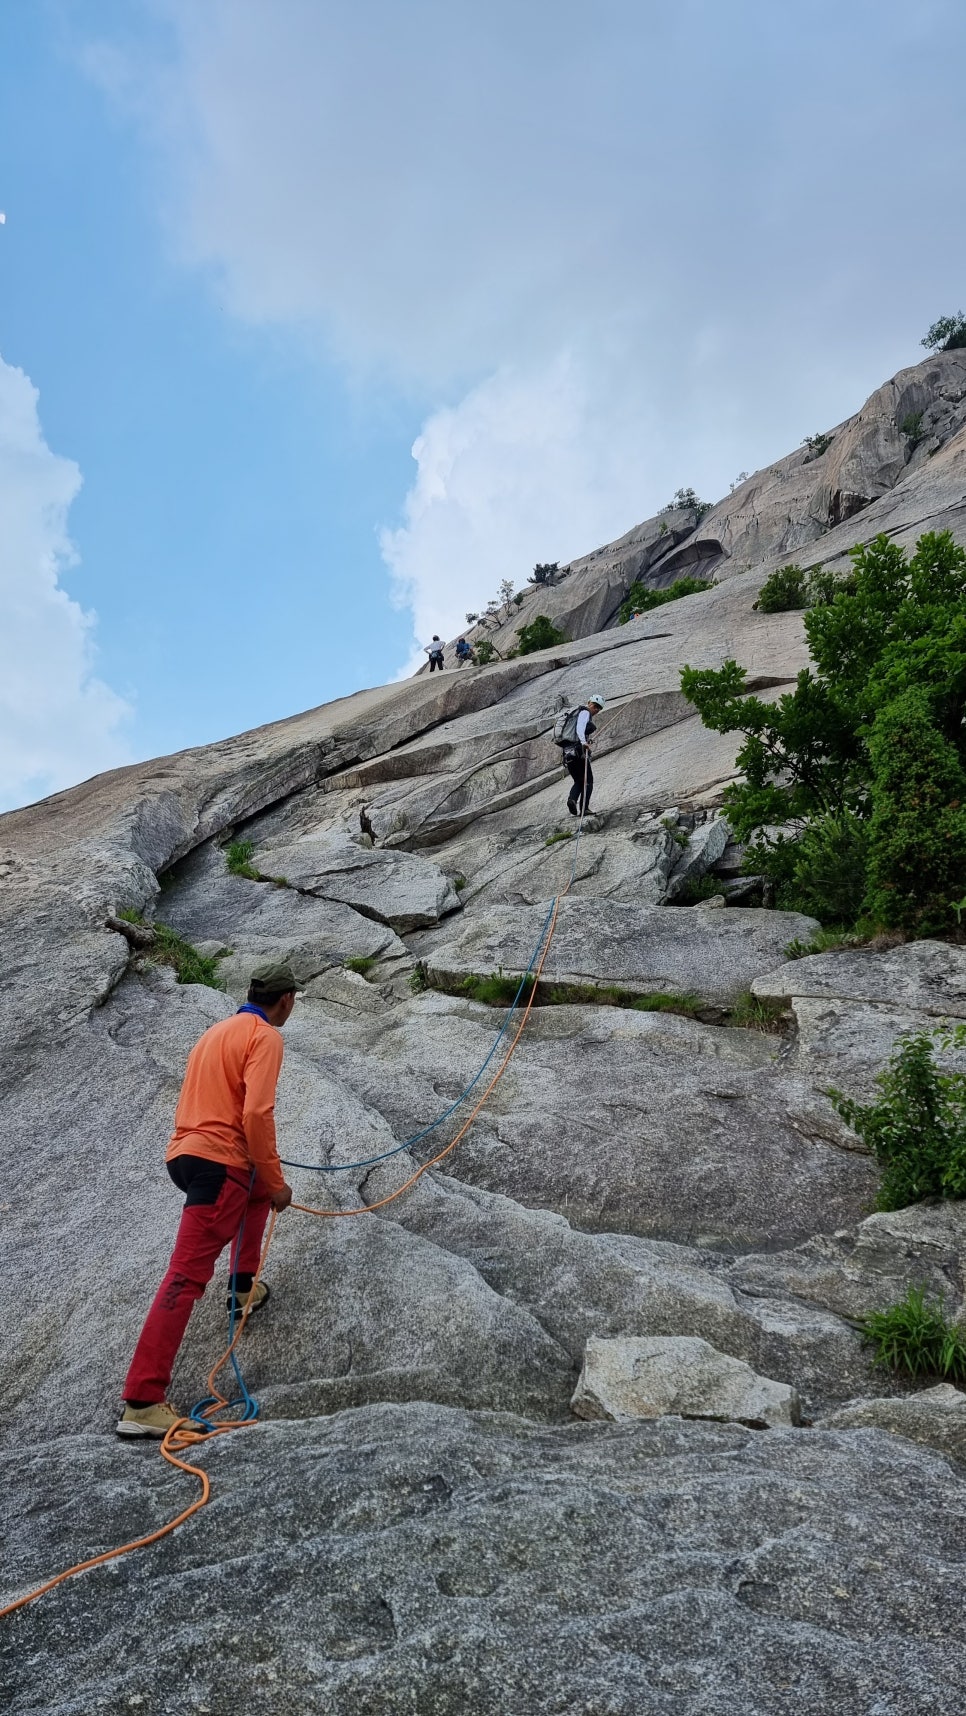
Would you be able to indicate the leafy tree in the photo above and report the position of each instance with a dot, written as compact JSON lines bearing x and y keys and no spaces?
{"x":545,"y":572}
{"x":484,"y":651}
{"x":685,"y":500}
{"x":640,"y":599}
{"x":947,"y":334}
{"x":541,"y":633}
{"x":874,"y":728}
{"x":817,"y":445}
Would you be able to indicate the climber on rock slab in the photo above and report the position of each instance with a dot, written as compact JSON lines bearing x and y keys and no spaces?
{"x":223,"y":1156}
{"x":576,"y":754}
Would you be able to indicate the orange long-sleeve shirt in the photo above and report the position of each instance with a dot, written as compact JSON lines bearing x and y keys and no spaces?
{"x":226,"y":1110}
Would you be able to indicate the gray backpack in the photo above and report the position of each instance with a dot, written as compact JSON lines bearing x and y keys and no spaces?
{"x":565,"y":726}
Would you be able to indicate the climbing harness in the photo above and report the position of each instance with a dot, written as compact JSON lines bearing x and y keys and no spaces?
{"x":202,"y":1423}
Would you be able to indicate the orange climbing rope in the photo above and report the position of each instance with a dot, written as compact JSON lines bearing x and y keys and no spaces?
{"x":184,"y":1433}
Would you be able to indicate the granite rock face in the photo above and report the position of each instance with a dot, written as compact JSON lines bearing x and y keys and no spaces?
{"x":677,"y":1375}
{"x":419,"y":1525}
{"x":403,"y":1558}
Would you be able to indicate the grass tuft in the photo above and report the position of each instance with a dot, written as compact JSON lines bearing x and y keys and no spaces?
{"x":360,"y":962}
{"x":238,"y":857}
{"x":687,"y":1004}
{"x":915,"y":1337}
{"x":758,"y":1013}
{"x":562,"y":834}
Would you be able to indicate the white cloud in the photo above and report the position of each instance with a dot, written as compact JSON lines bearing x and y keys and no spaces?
{"x":525,"y":468}
{"x":57,"y":721}
{"x":634,"y":246}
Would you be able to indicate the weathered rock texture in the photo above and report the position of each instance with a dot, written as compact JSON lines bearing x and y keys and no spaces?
{"x":419,"y":1525}
{"x":679,"y":1375}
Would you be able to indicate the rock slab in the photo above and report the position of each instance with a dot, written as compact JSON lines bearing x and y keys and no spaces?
{"x":654,"y":1376}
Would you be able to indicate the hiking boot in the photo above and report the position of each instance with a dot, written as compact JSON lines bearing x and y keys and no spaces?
{"x":155,"y":1420}
{"x":257,"y":1294}
{"x":572,"y":808}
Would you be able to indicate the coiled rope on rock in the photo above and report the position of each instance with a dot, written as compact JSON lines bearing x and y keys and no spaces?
{"x":203,"y":1423}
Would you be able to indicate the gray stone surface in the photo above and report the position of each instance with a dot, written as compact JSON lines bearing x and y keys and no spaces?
{"x":652,"y":1377}
{"x":934,"y":1417}
{"x":926,"y":977}
{"x":401,"y":1559}
{"x":642,"y":949}
{"x":396,"y":888}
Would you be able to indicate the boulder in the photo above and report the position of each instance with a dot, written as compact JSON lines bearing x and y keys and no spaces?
{"x":927,"y":977}
{"x":934,"y":1417}
{"x":394,"y":888}
{"x":651,"y":1377}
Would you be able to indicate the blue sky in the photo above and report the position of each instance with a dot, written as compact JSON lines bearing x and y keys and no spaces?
{"x":318,"y":320}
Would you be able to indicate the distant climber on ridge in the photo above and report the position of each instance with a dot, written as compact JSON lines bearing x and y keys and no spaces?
{"x":463,"y":652}
{"x":435,"y":652}
{"x":573,"y":737}
{"x":223,"y":1156}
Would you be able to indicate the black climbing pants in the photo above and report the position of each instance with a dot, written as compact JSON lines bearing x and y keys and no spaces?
{"x":436,"y":661}
{"x":575,"y":762}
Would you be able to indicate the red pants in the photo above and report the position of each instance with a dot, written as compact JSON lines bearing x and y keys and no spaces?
{"x":218,"y":1205}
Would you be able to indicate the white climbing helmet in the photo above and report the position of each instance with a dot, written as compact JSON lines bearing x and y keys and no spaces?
{"x":597,"y":700}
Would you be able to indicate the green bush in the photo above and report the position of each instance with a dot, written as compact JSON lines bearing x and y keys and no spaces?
{"x":361,"y":963}
{"x":484,"y":651}
{"x":914,"y":1337}
{"x":685,"y":500}
{"x":459,"y":883}
{"x":947,"y":334}
{"x":784,"y":589}
{"x":917,"y":831}
{"x":641,"y":599}
{"x":817,"y":445}
{"x":911,"y":428}
{"x":541,"y":633}
{"x":916,"y":1127}
{"x":238,"y":857}
{"x":823,"y":941}
{"x":875,"y":731}
{"x":789,"y":587}
{"x":827,"y":869}
{"x":701,"y":888}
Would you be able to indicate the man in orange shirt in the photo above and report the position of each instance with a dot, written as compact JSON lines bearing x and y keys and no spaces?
{"x":224,"y":1158}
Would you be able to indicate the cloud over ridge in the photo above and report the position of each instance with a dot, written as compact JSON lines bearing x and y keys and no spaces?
{"x":57,"y":719}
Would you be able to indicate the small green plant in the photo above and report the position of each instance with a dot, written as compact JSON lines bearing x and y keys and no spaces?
{"x":758,"y":1013}
{"x":947,"y":334}
{"x":823,"y":941}
{"x":959,"y":907}
{"x":238,"y":857}
{"x":916,"y":1127}
{"x":686,"y":1004}
{"x":362,"y":963}
{"x":640,"y":599}
{"x":418,"y":978}
{"x":495,"y":991}
{"x":485,"y":651}
{"x":545,"y":572}
{"x":911,"y":428}
{"x":680,"y":836}
{"x":188,"y":965}
{"x":700,"y":888}
{"x":459,"y":883}
{"x":914,"y":1337}
{"x":519,"y":598}
{"x":541,"y":633}
{"x":561,"y":834}
{"x":817,"y":445}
